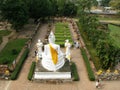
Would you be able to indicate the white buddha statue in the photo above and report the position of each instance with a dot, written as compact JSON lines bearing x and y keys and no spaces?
{"x":67,"y":51}
{"x":52,"y":58}
{"x":39,"y":46}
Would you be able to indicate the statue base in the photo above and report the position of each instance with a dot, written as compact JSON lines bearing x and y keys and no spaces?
{"x":63,"y":73}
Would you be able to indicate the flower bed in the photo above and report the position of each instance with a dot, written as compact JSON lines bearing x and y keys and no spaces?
{"x":108,"y":74}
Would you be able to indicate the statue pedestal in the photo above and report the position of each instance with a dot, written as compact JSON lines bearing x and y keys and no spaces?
{"x":52,"y":75}
{"x":63,"y":73}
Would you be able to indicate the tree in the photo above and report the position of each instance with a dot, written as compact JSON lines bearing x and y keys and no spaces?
{"x":105,"y":2}
{"x":1,"y":2}
{"x":40,"y":9}
{"x":54,"y":7}
{"x":70,"y":9}
{"x":15,"y":12}
{"x":115,"y":4}
{"x":61,"y":6}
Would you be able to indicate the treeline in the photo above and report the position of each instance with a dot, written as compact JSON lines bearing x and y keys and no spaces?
{"x":108,"y":53}
{"x":17,"y":12}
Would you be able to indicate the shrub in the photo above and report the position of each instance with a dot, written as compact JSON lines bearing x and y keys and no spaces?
{"x":31,"y":71}
{"x":0,"y":39}
{"x":74,"y":72}
{"x":15,"y":73}
{"x":87,"y":63}
{"x":14,"y":51}
{"x":60,"y":43}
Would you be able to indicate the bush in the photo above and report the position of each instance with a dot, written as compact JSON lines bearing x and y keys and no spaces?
{"x":87,"y":63}
{"x":15,"y":74}
{"x":0,"y":39}
{"x":30,"y":75}
{"x":60,"y":43}
{"x":74,"y":72}
{"x":14,"y":51}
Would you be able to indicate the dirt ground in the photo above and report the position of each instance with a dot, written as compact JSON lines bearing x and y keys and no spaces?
{"x":22,"y":83}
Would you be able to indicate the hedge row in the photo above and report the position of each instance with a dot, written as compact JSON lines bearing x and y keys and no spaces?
{"x":58,"y":34}
{"x":74,"y":72}
{"x":61,"y":31}
{"x":60,"y":27}
{"x":30,"y":75}
{"x":0,"y":39}
{"x":62,"y":43}
{"x":15,"y":74}
{"x":64,"y":37}
{"x":89,"y":69}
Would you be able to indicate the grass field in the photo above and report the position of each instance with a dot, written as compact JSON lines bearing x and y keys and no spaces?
{"x":11,"y":51}
{"x":115,"y":34}
{"x":4,"y":33}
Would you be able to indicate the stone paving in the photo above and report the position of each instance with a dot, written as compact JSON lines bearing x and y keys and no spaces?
{"x":5,"y":40}
{"x":84,"y":84}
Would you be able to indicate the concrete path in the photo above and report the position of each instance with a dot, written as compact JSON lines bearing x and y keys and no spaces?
{"x":84,"y":84}
{"x":5,"y":40}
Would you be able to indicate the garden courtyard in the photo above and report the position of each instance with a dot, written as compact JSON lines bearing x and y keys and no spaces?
{"x":22,"y":83}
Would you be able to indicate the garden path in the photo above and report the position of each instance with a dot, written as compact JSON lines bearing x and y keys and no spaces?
{"x":5,"y":40}
{"x":111,"y":21}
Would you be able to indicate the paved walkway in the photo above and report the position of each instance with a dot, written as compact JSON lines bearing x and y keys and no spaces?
{"x":111,"y":21}
{"x":84,"y":84}
{"x":5,"y":40}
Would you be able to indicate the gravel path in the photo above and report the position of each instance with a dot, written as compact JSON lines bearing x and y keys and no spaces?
{"x":84,"y":84}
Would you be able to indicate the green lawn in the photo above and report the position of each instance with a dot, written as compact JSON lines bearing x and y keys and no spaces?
{"x":115,"y":34}
{"x":3,"y":33}
{"x":11,"y":51}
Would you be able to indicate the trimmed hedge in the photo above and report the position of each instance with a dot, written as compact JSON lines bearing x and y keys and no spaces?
{"x":15,"y":74}
{"x":59,"y":34}
{"x":63,"y":40}
{"x":62,"y":43}
{"x":74,"y":72}
{"x":87,"y":63}
{"x":0,"y":39}
{"x":64,"y":37}
{"x":32,"y":68}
